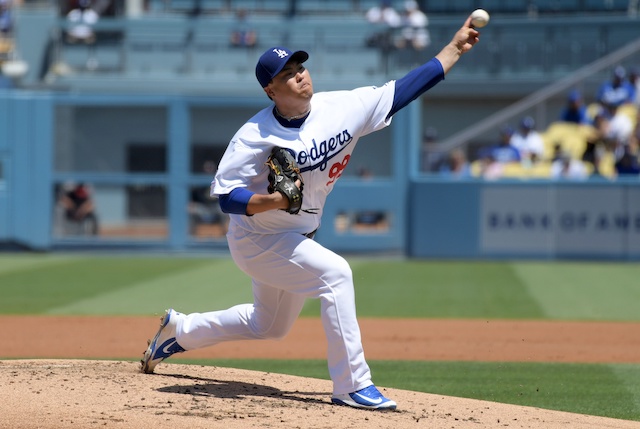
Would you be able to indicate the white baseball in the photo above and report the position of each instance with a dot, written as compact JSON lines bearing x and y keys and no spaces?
{"x":479,"y":18}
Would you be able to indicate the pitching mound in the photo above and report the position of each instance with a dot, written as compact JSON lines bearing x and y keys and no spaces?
{"x":61,"y":394}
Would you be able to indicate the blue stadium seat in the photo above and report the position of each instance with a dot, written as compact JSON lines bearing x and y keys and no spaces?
{"x":210,"y":45}
{"x":515,"y":6}
{"x":356,"y":64}
{"x":523,"y":49}
{"x":618,"y":36}
{"x":437,"y":6}
{"x":324,"y":6}
{"x":109,"y":57}
{"x":274,"y":6}
{"x":606,"y":5}
{"x":75,"y":56}
{"x":156,"y":46}
{"x":249,"y":5}
{"x":579,"y":43}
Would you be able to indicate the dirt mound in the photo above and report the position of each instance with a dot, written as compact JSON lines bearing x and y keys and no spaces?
{"x":61,"y":394}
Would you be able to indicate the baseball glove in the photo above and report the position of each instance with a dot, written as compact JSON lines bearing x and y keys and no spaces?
{"x":283,"y":173}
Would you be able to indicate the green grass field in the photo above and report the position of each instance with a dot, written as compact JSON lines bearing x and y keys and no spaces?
{"x":135,"y":285}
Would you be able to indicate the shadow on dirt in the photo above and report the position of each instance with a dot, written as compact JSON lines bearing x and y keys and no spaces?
{"x":234,"y":390}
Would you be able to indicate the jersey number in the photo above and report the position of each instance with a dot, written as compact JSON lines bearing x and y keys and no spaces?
{"x":336,"y":169}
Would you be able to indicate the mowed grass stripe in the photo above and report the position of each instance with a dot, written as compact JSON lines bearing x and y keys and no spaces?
{"x":215,"y":285}
{"x":37,"y":290}
{"x":583,"y":290}
{"x":629,"y":376}
{"x":384,"y":288}
{"x":593,"y":389}
{"x":10,"y":262}
{"x":439,"y":290}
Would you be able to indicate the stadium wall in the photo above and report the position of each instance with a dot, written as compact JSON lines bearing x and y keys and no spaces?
{"x":595,"y":219}
{"x":396,"y":210}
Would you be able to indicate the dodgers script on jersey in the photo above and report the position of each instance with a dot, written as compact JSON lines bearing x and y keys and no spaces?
{"x":322,"y":146}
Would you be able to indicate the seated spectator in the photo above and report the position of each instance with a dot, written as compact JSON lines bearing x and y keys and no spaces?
{"x":457,"y":165}
{"x":414,"y":33}
{"x":386,"y":16}
{"x":634,"y":81}
{"x":243,"y":34}
{"x":6,"y":18}
{"x":504,"y":152}
{"x":487,"y":167}
{"x":564,"y":167}
{"x":528,"y":141}
{"x":79,"y":207}
{"x":203,"y":209}
{"x":617,"y":127}
{"x":575,"y":111}
{"x":628,"y":163}
{"x":82,"y":20}
{"x":617,"y":90}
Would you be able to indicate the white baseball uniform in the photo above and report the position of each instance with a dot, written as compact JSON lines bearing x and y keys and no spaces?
{"x":286,"y":267}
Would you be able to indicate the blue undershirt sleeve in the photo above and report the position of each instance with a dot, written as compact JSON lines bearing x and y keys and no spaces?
{"x":415,"y":83}
{"x":236,"y":201}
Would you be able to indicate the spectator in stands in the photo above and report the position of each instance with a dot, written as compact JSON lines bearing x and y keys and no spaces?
{"x":528,"y":141}
{"x":79,"y":207}
{"x":243,"y":35}
{"x":82,"y":20}
{"x":429,"y":141}
{"x":628,"y":163}
{"x":457,"y":166}
{"x":386,"y":16}
{"x":487,"y":166}
{"x":618,"y":126}
{"x":414,"y":33}
{"x":565,"y":167}
{"x":292,"y":9}
{"x":503,"y":152}
{"x":6,"y":18}
{"x":575,"y":111}
{"x":618,"y":90}
{"x":634,"y":80}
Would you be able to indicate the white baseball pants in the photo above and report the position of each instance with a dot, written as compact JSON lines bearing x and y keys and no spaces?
{"x":286,"y":269}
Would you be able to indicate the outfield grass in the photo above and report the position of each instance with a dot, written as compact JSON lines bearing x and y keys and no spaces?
{"x":134,"y":285}
{"x":43,"y":284}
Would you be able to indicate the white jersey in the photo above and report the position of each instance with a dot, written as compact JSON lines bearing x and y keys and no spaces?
{"x":322,"y":146}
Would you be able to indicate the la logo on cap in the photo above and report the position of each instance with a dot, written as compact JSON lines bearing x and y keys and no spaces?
{"x":281,"y":53}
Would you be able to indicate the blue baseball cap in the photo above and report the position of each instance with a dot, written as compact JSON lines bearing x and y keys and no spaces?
{"x":273,"y":61}
{"x":527,"y":123}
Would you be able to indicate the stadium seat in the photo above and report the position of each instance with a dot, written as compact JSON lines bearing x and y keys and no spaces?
{"x":355,"y":64}
{"x":74,"y":56}
{"x":515,"y":170}
{"x":324,"y":6}
{"x":525,"y":54}
{"x":631,"y":110}
{"x":557,"y":6}
{"x":607,"y":165}
{"x":571,"y":137}
{"x":156,"y":47}
{"x":606,"y":6}
{"x":448,"y":6}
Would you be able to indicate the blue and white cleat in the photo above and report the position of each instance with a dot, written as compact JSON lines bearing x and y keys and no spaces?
{"x":163,"y":345}
{"x":368,"y":398}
